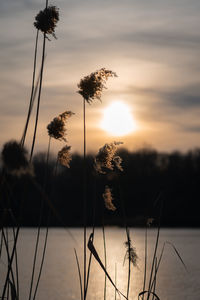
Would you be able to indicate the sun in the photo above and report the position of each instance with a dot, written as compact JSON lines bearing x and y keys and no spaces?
{"x":118,"y":119}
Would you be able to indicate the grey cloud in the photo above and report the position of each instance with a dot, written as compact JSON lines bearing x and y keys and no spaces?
{"x":178,"y":108}
{"x":162,"y":39}
{"x":12,"y":7}
{"x":194,"y":128}
{"x":185,"y":97}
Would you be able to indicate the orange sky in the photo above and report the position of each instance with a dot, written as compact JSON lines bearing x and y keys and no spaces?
{"x":153,"y":46}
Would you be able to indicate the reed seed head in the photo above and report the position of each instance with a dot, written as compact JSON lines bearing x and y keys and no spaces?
{"x":106,"y":158}
{"x":47,"y":19}
{"x":15,"y":161}
{"x":91,"y":86}
{"x":131,"y":254}
{"x":56,"y":128}
{"x":64,"y":156}
{"x":108,"y":198}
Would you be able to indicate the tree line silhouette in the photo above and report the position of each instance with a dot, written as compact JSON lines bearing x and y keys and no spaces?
{"x":152,"y":185}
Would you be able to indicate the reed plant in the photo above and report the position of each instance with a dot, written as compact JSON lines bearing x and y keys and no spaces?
{"x":16,"y":162}
{"x":90,"y":88}
{"x":14,"y":155}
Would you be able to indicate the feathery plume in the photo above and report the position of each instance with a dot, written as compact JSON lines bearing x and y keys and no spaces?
{"x":118,"y":160}
{"x":91,"y":86}
{"x":14,"y":158}
{"x":106,"y":158}
{"x":108,"y":198}
{"x":131,"y":254}
{"x":56,"y":128}
{"x":47,"y":19}
{"x":64,"y":156}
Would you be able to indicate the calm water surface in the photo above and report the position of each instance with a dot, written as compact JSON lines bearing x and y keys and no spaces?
{"x":60,"y":280}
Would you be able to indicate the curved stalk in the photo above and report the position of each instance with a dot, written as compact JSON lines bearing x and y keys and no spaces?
{"x":10,"y":263}
{"x":39,"y":96}
{"x":93,"y":228}
{"x":32,"y":92}
{"x":79,"y":273}
{"x":39,"y":225}
{"x":42,"y":262}
{"x":155,"y":252}
{"x":46,"y":235}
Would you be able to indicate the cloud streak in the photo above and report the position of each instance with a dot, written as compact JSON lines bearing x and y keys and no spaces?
{"x":152,"y":45}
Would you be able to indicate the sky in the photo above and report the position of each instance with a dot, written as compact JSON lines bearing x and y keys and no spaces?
{"x":152,"y":45}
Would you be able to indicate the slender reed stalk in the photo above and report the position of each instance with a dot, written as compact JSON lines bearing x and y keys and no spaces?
{"x":15,"y":223}
{"x":89,"y":265}
{"x":84,"y":199}
{"x":129,"y":268}
{"x":1,"y":243}
{"x":16,"y":268}
{"x":8,"y":292}
{"x":105,"y":258}
{"x":47,"y":231}
{"x":32,"y":91}
{"x":90,"y":87}
{"x":39,"y":225}
{"x":153,"y":263}
{"x":145,"y":262}
{"x":154,"y":281}
{"x":79,"y":273}
{"x":115,"y":281}
{"x":10,"y":263}
{"x":155,"y":252}
{"x":42,"y":261}
{"x":128,"y":240}
{"x":35,"y":254}
{"x":93,"y":228}
{"x":39,"y":92}
{"x":39,"y":95}
{"x":13,"y":253}
{"x":5,"y":239}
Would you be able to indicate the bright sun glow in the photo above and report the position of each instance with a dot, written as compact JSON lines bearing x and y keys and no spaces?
{"x":118,"y":119}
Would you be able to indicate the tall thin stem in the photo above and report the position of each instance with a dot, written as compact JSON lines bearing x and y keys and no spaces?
{"x":154,"y":281}
{"x":115,"y":281}
{"x":32,"y":92}
{"x":79,"y":273}
{"x":13,"y":253}
{"x":84,"y":199}
{"x":43,"y":257}
{"x":93,"y":227}
{"x":129,"y":262}
{"x":48,"y":221}
{"x":155,"y":252}
{"x":16,"y":267}
{"x":40,"y":221}
{"x":39,"y":96}
{"x":6,"y":239}
{"x":145,"y":262}
{"x":153,"y":262}
{"x":105,"y":258}
{"x":128,"y":239}
{"x":10,"y":263}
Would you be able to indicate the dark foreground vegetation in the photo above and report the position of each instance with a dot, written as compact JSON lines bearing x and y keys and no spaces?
{"x":148,"y":179}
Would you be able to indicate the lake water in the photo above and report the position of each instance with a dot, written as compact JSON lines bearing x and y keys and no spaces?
{"x":60,"y":279}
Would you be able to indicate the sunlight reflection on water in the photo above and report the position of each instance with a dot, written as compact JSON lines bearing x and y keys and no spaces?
{"x":60,"y":275}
